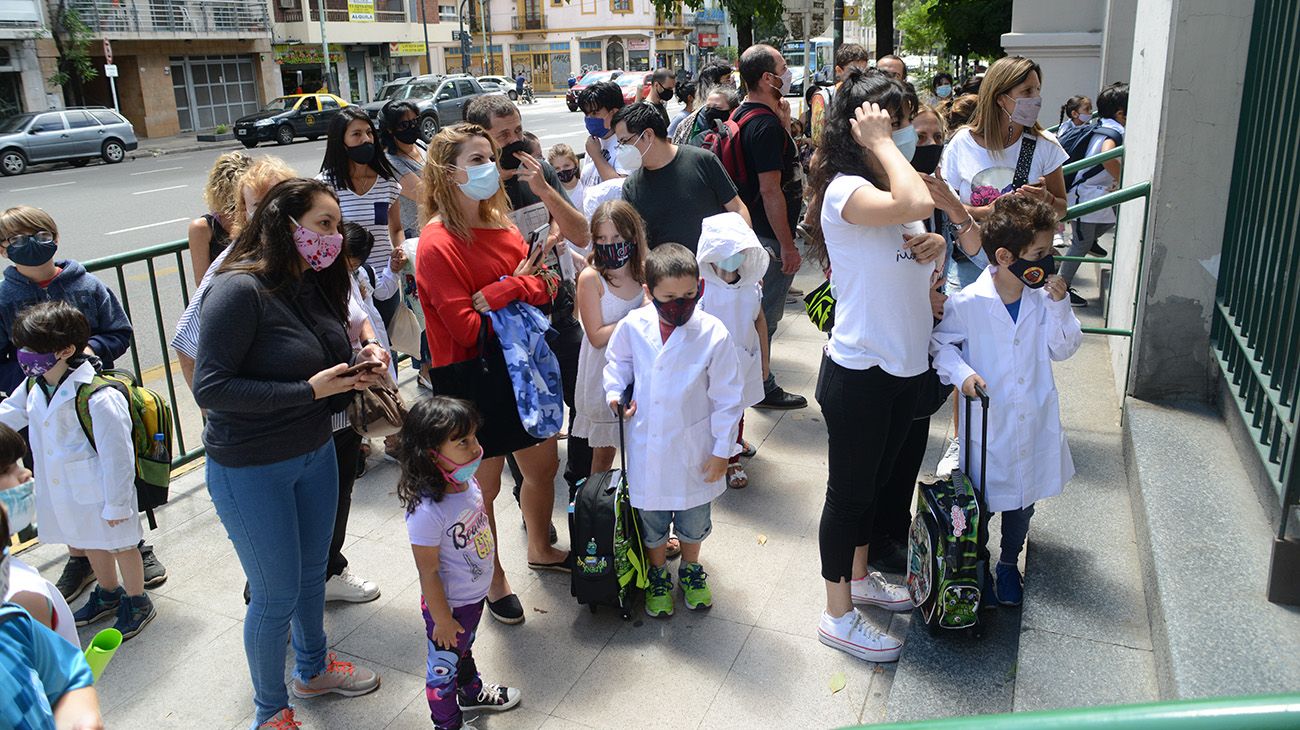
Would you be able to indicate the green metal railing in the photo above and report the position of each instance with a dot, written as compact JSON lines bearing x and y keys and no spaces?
{"x":189,"y":448}
{"x":1266,"y":712}
{"x":1255,"y":332}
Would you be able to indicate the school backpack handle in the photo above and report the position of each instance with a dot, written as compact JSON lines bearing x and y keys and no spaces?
{"x":983,"y":397}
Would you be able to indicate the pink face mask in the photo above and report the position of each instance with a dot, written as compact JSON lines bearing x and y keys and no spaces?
{"x":319,"y":249}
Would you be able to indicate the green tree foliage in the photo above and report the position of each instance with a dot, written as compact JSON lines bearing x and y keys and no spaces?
{"x":745,"y":14}
{"x":972,"y":27}
{"x":921,"y":32}
{"x":72,"y":39}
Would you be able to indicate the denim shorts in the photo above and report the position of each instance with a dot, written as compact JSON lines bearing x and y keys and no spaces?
{"x":693,"y":525}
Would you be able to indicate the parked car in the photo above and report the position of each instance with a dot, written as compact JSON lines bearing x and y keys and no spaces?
{"x":499,"y":83}
{"x":287,"y":117}
{"x":589,"y":78}
{"x":439,"y":99}
{"x":631,"y":81}
{"x":76,"y":134}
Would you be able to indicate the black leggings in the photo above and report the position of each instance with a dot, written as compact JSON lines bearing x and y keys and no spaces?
{"x":868,"y":414}
{"x":894,"y":502}
{"x":347,"y":450}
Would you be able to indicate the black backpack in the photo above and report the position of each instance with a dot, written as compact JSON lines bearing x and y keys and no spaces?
{"x":609,"y":559}
{"x":1076,"y":140}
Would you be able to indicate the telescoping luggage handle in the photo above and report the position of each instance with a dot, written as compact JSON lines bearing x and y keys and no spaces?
{"x":622,"y":444}
{"x":984,"y":432}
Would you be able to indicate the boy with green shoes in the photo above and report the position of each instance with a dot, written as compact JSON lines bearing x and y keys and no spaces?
{"x":686,"y":377}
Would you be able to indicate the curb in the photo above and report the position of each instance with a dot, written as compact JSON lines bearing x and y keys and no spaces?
{"x":195,"y":147}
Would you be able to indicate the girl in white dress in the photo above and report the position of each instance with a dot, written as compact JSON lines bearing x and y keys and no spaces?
{"x":610,"y":287}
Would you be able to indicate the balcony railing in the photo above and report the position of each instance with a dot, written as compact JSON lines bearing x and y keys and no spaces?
{"x":189,"y":17}
{"x":527,"y":22}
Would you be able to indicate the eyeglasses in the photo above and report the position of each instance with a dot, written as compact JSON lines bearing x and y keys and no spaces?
{"x":40,"y":236}
{"x":408,"y":124}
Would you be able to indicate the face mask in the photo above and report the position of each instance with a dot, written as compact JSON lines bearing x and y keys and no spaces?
{"x":508,"y":159}
{"x":362,"y":154}
{"x":1026,"y":112}
{"x":943,"y":91}
{"x":677,"y":312}
{"x":319,"y":249}
{"x":628,"y":157}
{"x":787,"y":79}
{"x":905,"y":141}
{"x":484,"y":181}
{"x":666,"y":94}
{"x":1033,"y":273}
{"x":596,"y":127}
{"x":926,"y":158}
{"x":712,"y":115}
{"x":32,"y":249}
{"x":463,"y":472}
{"x":613,"y":255}
{"x":567,"y":175}
{"x":36,"y":364}
{"x":732,"y":262}
{"x":20,"y":502}
{"x":407,"y":135}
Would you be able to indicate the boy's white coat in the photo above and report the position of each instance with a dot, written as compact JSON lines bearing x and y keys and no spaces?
{"x":77,"y":489}
{"x":1029,"y":458}
{"x":737,"y":304}
{"x":688,"y":393}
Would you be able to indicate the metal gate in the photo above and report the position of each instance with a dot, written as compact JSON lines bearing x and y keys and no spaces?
{"x":1256,"y":324}
{"x":212,"y":90}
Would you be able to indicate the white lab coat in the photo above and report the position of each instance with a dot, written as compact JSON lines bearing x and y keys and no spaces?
{"x":688,"y":394}
{"x":738,"y":303}
{"x":77,"y":489}
{"x":1028,"y":457}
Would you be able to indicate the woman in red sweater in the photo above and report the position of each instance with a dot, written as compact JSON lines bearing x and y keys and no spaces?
{"x":472,"y":260}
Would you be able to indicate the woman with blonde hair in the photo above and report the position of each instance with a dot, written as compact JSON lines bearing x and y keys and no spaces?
{"x":209,"y":234}
{"x":472,"y":260}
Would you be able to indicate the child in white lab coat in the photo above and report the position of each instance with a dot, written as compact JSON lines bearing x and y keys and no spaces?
{"x":687,"y":396}
{"x":1003,"y":332}
{"x":85,"y":494}
{"x":732,"y":264}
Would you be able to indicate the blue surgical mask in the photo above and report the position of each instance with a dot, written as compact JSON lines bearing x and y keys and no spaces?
{"x":732,"y":262}
{"x":463,"y":472}
{"x":905,"y":140}
{"x":20,"y":502}
{"x":484,"y":181}
{"x":596,"y":127}
{"x":943,"y":91}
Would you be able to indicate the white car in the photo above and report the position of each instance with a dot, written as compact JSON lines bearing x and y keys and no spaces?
{"x":499,"y":84}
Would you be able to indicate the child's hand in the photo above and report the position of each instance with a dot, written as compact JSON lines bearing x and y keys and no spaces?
{"x":714,"y":469}
{"x":445,"y":633}
{"x":397,"y":261}
{"x":968,"y":387}
{"x":1056,"y":287}
{"x":627,"y":412}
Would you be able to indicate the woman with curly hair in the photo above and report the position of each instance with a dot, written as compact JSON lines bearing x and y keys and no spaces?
{"x":210,"y":234}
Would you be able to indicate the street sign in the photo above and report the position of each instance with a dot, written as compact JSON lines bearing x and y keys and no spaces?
{"x":455,"y":35}
{"x":110,"y":70}
{"x":108,"y":52}
{"x":852,"y":12}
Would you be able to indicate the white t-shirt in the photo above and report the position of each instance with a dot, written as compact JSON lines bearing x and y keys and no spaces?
{"x":882,"y":305}
{"x":25,"y":579}
{"x":1099,"y":184}
{"x":590,"y":175}
{"x":979,"y":177}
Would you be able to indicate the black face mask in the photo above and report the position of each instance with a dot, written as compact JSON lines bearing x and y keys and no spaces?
{"x":362,"y":154}
{"x":407,"y":134}
{"x":508,"y":159}
{"x":666,"y":94}
{"x":926,"y":158}
{"x":567,"y":175}
{"x":1033,"y":273}
{"x":712,"y":115}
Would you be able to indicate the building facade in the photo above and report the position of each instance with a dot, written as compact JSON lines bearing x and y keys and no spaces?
{"x":22,"y":75}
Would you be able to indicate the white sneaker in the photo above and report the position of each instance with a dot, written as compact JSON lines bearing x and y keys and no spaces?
{"x":351,"y":588}
{"x":951,"y":457}
{"x":876,"y":591}
{"x":853,"y":634}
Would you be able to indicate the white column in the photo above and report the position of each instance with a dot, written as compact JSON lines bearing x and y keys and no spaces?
{"x":1064,"y":38}
{"x":575,"y":55}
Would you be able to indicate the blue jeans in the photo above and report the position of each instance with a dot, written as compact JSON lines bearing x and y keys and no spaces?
{"x":280,"y":517}
{"x":1015,"y":528}
{"x":692,"y":525}
{"x":776,"y":286}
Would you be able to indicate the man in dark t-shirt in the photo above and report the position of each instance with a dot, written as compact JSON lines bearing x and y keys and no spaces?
{"x":770,"y":189}
{"x":676,"y":187}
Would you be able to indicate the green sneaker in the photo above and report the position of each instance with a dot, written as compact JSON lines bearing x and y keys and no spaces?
{"x":659,"y":596}
{"x":695,"y":587}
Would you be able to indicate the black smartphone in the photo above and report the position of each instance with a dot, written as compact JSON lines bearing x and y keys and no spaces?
{"x":361,"y":367}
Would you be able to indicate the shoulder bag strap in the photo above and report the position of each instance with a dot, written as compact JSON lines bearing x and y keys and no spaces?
{"x":1027,"y":146}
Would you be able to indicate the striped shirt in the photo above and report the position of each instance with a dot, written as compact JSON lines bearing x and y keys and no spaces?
{"x":186,"y":339}
{"x":371,"y":212}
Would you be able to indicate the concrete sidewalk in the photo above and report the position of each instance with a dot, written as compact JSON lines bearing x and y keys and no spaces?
{"x":187,"y":142}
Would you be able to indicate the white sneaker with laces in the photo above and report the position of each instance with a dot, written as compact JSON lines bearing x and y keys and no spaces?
{"x":853,"y":634}
{"x":951,"y":457}
{"x":874,"y":590}
{"x":351,"y":588}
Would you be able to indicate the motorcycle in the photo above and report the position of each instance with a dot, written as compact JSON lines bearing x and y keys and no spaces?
{"x":527,"y":96}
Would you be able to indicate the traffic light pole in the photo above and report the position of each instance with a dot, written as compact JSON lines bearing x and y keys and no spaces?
{"x":838,"y":22}
{"x":464,"y":42}
{"x":327,"y":74}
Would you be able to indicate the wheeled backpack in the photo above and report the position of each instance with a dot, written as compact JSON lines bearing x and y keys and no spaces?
{"x":948,"y":537}
{"x":609,"y":560}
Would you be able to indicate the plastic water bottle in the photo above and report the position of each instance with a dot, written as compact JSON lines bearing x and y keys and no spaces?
{"x":158,"y":452}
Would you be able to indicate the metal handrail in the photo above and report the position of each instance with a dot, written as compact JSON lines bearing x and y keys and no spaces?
{"x":1265,"y":712}
{"x":1097,"y":159}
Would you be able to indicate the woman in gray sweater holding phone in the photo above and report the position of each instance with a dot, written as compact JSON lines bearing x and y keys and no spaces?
{"x":274,"y":362}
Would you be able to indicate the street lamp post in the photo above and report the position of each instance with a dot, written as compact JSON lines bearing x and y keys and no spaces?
{"x":324,"y":52}
{"x":428,"y":53}
{"x":464,"y":47}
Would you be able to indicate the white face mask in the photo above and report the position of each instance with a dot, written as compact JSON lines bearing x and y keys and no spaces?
{"x":628,"y":157}
{"x":1026,"y":110}
{"x":905,"y":141}
{"x":20,"y":503}
{"x":787,"y":80}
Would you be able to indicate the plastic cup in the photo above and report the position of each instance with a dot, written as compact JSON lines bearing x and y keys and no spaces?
{"x":101,"y":650}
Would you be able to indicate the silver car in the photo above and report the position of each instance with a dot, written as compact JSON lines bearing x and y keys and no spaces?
{"x":499,"y":84}
{"x":75,"y":135}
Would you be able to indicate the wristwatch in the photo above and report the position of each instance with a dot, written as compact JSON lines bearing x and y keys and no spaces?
{"x":370,"y":341}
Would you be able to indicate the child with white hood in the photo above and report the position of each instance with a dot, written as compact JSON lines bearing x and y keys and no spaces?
{"x":732,"y":264}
